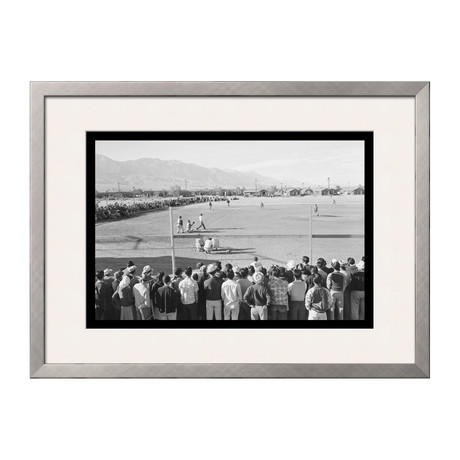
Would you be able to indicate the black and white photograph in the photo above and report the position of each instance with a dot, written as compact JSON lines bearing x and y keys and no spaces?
{"x":229,"y":229}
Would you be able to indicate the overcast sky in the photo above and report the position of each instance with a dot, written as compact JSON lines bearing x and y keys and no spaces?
{"x":311,"y":162}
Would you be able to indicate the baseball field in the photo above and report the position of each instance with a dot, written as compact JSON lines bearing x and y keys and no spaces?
{"x":275,"y":234}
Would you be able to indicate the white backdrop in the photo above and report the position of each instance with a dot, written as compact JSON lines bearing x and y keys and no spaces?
{"x":239,"y":40}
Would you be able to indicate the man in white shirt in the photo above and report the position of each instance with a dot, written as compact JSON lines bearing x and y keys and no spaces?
{"x":232,"y":295}
{"x":296,"y":294}
{"x":201,"y":223}
{"x":188,"y":288}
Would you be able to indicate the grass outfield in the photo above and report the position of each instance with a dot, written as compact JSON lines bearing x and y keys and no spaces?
{"x":276,"y":234}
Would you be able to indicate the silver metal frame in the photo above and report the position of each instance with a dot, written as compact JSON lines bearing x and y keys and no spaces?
{"x":39,"y":91}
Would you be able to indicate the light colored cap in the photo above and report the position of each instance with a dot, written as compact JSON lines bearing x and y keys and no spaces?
{"x":360,"y":265}
{"x":290,"y":264}
{"x":258,"y":277}
{"x":108,"y":272}
{"x":146,"y":270}
{"x":211,"y":268}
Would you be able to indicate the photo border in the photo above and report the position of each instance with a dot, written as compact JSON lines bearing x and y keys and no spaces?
{"x":39,"y":91}
{"x":367,"y":137}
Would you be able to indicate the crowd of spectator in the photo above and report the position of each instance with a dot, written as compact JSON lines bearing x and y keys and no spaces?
{"x":215,"y":292}
{"x":121,"y":209}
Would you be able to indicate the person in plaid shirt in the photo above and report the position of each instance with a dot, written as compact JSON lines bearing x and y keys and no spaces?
{"x":278,"y":307}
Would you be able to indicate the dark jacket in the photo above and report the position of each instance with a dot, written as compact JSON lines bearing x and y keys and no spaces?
{"x":258,"y":295}
{"x":126,"y":296}
{"x":103,"y":293}
{"x":357,"y":281}
{"x":212,"y":287}
{"x":335,"y":281}
{"x":167,"y":299}
{"x":153,"y":288}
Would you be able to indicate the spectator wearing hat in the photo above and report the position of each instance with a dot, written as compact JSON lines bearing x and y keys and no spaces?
{"x":103,"y":298}
{"x":258,"y":296}
{"x":108,"y":276}
{"x":118,"y":276}
{"x":131,"y":272}
{"x":213,"y":287}
{"x":141,"y":293}
{"x":318,"y":300}
{"x":167,"y":301}
{"x":278,"y":307}
{"x":125,"y":292}
{"x":296,"y":293}
{"x":336,"y":282}
{"x":232,"y":296}
{"x":357,"y":293}
{"x":188,"y":288}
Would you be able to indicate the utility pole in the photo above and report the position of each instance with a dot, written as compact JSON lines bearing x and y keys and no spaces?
{"x":185,"y":184}
{"x":281,"y":188}
{"x":329,"y":186}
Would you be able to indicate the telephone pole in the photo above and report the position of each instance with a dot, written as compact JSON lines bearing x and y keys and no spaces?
{"x":329,"y":186}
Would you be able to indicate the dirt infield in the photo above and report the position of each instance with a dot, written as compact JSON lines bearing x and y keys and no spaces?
{"x":275,"y":234}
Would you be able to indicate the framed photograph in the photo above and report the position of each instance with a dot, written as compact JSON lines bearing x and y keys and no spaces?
{"x":229,"y":229}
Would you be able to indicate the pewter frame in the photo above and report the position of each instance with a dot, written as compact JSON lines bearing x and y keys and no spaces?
{"x":39,"y":91}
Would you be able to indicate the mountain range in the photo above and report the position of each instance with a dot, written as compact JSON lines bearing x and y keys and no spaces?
{"x":156,"y":174}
